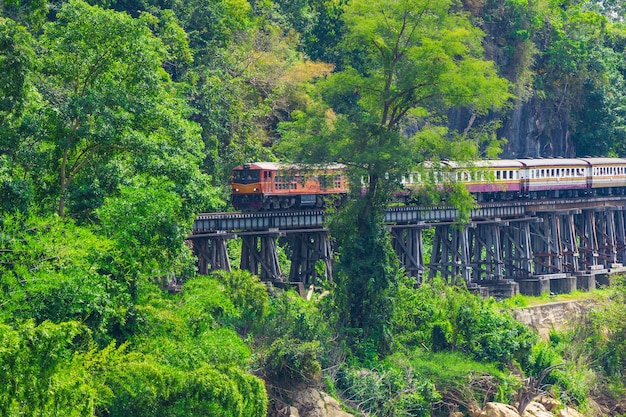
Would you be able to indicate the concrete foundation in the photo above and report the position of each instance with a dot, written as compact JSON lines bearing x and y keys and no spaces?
{"x":476,"y":289}
{"x":534,"y":286}
{"x":562,"y":285}
{"x":586,"y":282}
{"x":499,"y":289}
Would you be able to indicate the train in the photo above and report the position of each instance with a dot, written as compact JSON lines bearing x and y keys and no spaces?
{"x":275,"y":186}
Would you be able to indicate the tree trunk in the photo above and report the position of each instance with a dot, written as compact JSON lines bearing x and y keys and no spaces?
{"x":64,"y":183}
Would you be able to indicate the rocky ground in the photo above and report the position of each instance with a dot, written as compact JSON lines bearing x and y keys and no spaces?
{"x":311,"y":402}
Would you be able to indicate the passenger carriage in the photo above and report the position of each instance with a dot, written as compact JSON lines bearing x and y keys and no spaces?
{"x":556,"y":177}
{"x":608,"y":175}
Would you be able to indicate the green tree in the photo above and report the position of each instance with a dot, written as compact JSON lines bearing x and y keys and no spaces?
{"x":149,"y":225}
{"x":406,"y":64}
{"x":17,"y":67}
{"x":46,"y":275}
{"x":107,"y":98}
{"x":409,"y":60}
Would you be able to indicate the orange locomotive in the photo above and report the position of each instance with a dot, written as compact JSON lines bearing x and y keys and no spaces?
{"x":274,"y":186}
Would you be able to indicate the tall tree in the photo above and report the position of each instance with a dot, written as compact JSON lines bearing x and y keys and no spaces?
{"x":407,"y":63}
{"x":107,"y":97}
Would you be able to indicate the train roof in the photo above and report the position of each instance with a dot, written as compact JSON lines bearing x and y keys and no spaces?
{"x":273,"y":166}
{"x":488,"y":163}
{"x":605,"y":161}
{"x":554,"y":162}
{"x":258,"y":165}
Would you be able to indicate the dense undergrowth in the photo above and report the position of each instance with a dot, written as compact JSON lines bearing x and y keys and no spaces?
{"x":80,"y":337}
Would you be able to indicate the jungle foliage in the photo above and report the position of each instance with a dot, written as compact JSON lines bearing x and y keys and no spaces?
{"x":120,"y":121}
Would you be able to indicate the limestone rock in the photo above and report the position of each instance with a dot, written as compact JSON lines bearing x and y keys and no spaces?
{"x":569,"y":412}
{"x":548,"y":402}
{"x":536,"y":409}
{"x":498,"y":410}
{"x":545,"y":317}
{"x":456,"y":414}
{"x":293,"y":412}
{"x":314,"y":403}
{"x":474,"y":410}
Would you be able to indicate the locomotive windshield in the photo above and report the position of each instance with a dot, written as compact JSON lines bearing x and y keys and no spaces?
{"x":247,"y":176}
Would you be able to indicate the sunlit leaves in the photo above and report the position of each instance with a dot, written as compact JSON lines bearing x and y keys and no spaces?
{"x":108,"y":97}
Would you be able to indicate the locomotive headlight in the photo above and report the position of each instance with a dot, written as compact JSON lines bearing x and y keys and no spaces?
{"x":256,"y":189}
{"x":236,"y":190}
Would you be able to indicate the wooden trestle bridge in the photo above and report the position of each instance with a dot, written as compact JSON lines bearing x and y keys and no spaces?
{"x":507,"y":247}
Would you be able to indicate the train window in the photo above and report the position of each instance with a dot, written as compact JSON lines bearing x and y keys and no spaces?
{"x":497,"y":175}
{"x":247,"y":176}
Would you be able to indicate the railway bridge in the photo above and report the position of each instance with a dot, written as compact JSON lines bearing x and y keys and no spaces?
{"x":531,"y":247}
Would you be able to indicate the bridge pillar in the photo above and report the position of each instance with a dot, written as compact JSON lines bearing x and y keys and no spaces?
{"x":450,"y":255}
{"x":259,"y":252}
{"x":486,"y":252}
{"x":407,"y":243}
{"x":211,"y":253}
{"x":569,"y":242}
{"x":620,"y":235}
{"x":308,"y":249}
{"x":546,"y":244}
{"x":607,"y":244}
{"x":586,"y":231}
{"x":516,"y":248}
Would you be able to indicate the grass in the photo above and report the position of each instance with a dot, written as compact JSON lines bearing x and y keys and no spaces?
{"x":448,"y":367}
{"x":463,"y":379}
{"x":530,"y":301}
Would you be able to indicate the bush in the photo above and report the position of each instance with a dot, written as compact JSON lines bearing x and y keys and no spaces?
{"x":444,"y":317}
{"x":391,"y":389}
{"x":288,"y":361}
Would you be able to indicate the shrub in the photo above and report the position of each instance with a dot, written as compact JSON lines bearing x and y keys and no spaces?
{"x":391,"y":389}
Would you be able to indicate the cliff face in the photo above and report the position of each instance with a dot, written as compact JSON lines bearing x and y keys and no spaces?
{"x":532,"y":132}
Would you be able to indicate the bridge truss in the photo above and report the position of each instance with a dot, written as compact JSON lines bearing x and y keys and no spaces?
{"x":505,"y":248}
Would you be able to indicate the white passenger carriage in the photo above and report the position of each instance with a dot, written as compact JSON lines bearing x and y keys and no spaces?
{"x":608,"y":175}
{"x":558,"y":177}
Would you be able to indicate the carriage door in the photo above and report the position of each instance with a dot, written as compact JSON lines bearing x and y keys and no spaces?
{"x":524,"y":173}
